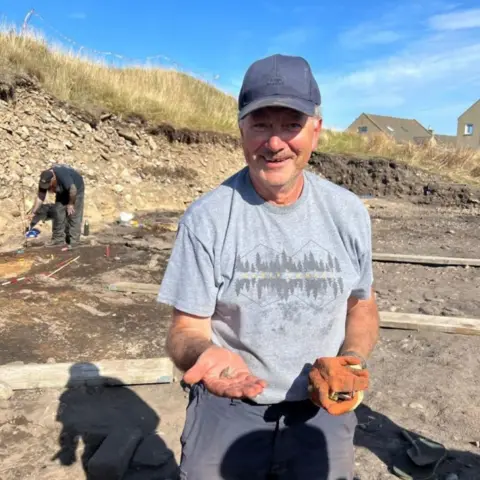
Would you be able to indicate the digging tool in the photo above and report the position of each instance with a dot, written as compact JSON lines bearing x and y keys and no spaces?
{"x":424,"y":451}
{"x":420,"y":461}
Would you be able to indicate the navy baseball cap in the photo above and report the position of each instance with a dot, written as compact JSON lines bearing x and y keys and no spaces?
{"x":45,"y":179}
{"x":279,"y":80}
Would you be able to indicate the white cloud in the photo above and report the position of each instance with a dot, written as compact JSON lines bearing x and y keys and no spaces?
{"x":458,"y":20}
{"x":366,"y":35}
{"x":424,"y":80}
{"x":78,"y":16}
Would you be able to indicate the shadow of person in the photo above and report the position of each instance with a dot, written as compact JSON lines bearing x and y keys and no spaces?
{"x":94,"y":406}
{"x":383,"y":437}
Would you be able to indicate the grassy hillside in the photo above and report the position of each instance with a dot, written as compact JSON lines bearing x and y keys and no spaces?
{"x":156,"y":94}
{"x":184,"y":101}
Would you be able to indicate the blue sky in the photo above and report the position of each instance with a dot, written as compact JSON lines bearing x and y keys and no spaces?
{"x":414,"y":59}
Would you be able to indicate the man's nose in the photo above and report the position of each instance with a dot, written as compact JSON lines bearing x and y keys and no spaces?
{"x":275,"y":143}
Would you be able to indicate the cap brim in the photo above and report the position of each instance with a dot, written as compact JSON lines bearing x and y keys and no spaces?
{"x":303,"y":106}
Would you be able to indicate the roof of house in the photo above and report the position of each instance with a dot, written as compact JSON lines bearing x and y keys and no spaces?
{"x":469,"y":108}
{"x":450,"y":140}
{"x":446,"y":139}
{"x":403,"y":129}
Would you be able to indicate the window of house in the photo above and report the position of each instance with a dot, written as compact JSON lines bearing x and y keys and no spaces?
{"x":469,"y":129}
{"x":362,"y":129}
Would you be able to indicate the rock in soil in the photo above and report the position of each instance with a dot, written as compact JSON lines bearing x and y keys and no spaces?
{"x":6,"y":391}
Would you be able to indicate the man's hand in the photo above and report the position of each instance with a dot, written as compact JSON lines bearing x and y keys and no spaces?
{"x":330,"y":376}
{"x":70,"y":210}
{"x":224,"y":374}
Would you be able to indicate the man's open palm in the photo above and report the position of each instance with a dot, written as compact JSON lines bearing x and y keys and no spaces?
{"x":224,"y":374}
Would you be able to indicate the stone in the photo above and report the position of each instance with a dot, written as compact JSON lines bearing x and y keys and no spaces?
{"x":54,"y":146}
{"x":56,"y":116}
{"x":127,"y":135}
{"x":118,"y":188}
{"x":125,"y":175}
{"x":152,"y":144}
{"x":451,"y":476}
{"x":112,"y":459}
{"x":6,"y":391}
{"x":24,"y":133}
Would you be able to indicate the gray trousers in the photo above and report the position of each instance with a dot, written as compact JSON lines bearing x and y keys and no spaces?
{"x":67,"y":228}
{"x":235,"y":440}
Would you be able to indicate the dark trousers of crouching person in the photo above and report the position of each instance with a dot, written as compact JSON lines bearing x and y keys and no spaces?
{"x":67,"y":228}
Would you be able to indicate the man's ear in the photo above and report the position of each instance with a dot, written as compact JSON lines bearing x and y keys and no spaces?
{"x":317,"y":128}
{"x":240,"y":127}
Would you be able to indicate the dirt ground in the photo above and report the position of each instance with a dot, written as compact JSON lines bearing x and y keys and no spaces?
{"x":424,"y":382}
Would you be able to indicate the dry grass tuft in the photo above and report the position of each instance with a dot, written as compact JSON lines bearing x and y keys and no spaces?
{"x":156,"y":94}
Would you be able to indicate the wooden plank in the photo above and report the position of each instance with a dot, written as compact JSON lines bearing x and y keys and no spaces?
{"x":413,"y":321}
{"x":425,"y":259}
{"x":133,"y":287}
{"x":404,"y":321}
{"x":105,"y":372}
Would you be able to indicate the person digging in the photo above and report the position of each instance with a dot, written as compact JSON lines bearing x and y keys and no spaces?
{"x":67,"y":212}
{"x":273,"y":309}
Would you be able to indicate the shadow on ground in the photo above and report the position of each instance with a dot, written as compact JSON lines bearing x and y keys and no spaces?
{"x":383,"y":437}
{"x":117,"y":429}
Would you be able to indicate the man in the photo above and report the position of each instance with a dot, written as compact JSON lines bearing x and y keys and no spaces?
{"x":67,"y":215}
{"x":271,"y":279}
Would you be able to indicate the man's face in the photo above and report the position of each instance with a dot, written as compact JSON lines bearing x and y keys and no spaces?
{"x":53,"y":185}
{"x":277,"y":143}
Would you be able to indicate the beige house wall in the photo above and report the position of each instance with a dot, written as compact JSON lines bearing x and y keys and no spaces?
{"x":363,"y":121}
{"x":470,"y":117}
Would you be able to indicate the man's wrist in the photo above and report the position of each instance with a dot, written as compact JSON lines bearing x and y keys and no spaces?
{"x":353,"y":353}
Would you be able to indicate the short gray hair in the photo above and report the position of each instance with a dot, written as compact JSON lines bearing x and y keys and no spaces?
{"x":318,"y":111}
{"x":316,"y":115}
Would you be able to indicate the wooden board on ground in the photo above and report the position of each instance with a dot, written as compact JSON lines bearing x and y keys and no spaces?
{"x":412,"y":321}
{"x":404,"y":321}
{"x":105,"y":372}
{"x":425,"y":259}
{"x":133,"y":287}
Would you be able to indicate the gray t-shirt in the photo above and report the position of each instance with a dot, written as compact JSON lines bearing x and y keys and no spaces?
{"x":275,"y":280}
